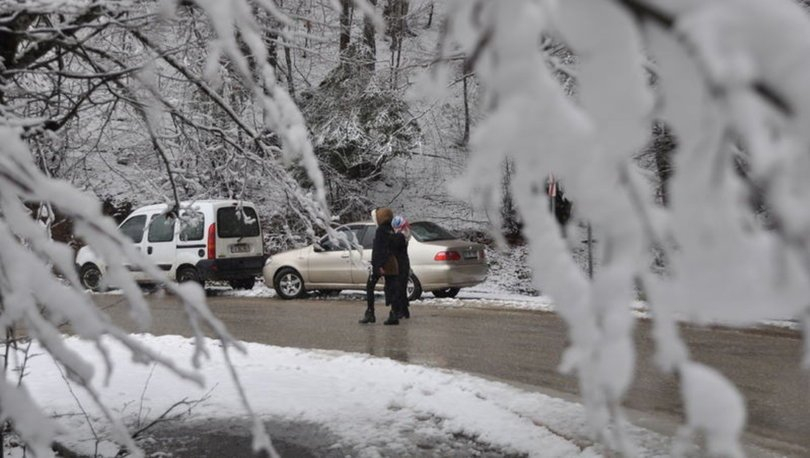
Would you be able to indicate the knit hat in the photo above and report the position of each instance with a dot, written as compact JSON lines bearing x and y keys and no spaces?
{"x":398,"y":222}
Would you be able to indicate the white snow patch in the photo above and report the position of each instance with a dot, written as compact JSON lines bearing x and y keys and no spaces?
{"x":371,"y":404}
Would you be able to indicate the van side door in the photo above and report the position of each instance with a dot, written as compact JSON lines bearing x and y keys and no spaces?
{"x":191,"y":243}
{"x":134,"y":228}
{"x":160,"y":242}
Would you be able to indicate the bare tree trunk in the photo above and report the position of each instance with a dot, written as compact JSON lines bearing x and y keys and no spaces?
{"x":369,"y":38}
{"x":272,"y":47}
{"x":404,"y":9}
{"x":395,"y":20}
{"x":509,"y":217}
{"x":399,"y":55}
{"x":288,"y":60}
{"x":430,"y":16}
{"x":345,"y":24}
{"x":308,"y":26}
{"x":466,"y":111}
{"x":10,"y":42}
{"x":663,"y":145}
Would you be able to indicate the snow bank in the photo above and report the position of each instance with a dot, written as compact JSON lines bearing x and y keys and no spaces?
{"x":376,"y":406}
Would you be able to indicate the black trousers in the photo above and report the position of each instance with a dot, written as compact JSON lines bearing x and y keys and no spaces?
{"x":402,"y":291}
{"x":390,"y":289}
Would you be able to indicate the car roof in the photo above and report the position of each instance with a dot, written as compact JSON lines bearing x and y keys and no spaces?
{"x":372,"y":223}
{"x":188,"y":203}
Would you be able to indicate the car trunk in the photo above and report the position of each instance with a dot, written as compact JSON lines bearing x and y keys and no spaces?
{"x":471,"y":253}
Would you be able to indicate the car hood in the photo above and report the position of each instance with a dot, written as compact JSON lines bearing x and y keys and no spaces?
{"x":296,"y":253}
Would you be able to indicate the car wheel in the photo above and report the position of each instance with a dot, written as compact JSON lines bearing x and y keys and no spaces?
{"x":243,"y":283}
{"x":446,"y":292}
{"x":414,"y":288}
{"x":187,"y":274}
{"x":289,"y":284}
{"x":90,"y":276}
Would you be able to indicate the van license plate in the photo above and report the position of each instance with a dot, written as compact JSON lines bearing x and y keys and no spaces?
{"x":240,"y":248}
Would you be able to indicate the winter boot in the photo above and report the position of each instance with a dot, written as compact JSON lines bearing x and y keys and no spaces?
{"x":368,"y":317}
{"x":403,"y":312}
{"x":392,"y":319}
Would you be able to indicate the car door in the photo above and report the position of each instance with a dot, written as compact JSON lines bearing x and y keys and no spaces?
{"x":160,"y":244}
{"x":360,"y":270}
{"x":331,"y":264}
{"x":133,"y":227}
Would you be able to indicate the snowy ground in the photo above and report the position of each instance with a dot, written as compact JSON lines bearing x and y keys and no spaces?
{"x":369,"y":406}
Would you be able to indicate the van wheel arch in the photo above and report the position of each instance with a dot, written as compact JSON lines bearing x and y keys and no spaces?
{"x":90,"y":276}
{"x":188,"y":272}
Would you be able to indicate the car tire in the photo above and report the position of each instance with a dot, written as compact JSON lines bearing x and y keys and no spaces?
{"x":187,"y":274}
{"x":243,"y":283}
{"x":289,"y":284}
{"x":90,"y":277}
{"x":414,"y":288}
{"x":446,"y":292}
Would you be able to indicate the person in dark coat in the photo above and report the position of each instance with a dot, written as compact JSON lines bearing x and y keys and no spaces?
{"x":402,"y":235}
{"x":383,"y":264}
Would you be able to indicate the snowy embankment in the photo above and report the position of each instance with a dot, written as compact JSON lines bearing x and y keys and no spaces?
{"x":373,"y":406}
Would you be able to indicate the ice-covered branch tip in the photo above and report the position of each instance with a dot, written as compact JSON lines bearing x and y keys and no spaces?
{"x":645,"y":11}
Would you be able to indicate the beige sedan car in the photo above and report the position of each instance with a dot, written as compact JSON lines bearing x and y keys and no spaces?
{"x":440,"y":263}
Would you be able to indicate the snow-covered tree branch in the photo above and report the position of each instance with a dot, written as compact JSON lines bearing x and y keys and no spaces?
{"x":730,"y":77}
{"x":563,"y":88}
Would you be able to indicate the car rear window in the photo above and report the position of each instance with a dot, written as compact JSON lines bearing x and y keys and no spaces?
{"x":232,"y":223}
{"x":428,"y":232}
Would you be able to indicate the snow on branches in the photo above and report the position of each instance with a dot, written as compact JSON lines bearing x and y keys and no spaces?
{"x":729,"y":80}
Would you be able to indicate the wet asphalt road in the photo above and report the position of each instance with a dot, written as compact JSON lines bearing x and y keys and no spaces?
{"x":523,"y":347}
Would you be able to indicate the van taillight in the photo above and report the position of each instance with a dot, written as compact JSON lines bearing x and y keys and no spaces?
{"x":212,"y":241}
{"x":447,"y":256}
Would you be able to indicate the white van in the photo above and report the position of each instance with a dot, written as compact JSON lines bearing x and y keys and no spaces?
{"x":215,"y":240}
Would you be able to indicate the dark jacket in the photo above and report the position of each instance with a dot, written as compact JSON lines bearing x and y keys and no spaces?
{"x":399,"y":246}
{"x":381,"y":253}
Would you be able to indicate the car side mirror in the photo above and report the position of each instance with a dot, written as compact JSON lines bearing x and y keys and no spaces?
{"x":318,"y":248}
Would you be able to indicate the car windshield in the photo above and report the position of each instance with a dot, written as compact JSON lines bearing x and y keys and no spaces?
{"x":430,"y":232}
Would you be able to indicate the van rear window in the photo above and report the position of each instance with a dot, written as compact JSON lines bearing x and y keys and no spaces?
{"x":232,"y":223}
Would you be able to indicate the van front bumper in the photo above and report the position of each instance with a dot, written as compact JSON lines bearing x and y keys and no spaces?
{"x":231,"y":268}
